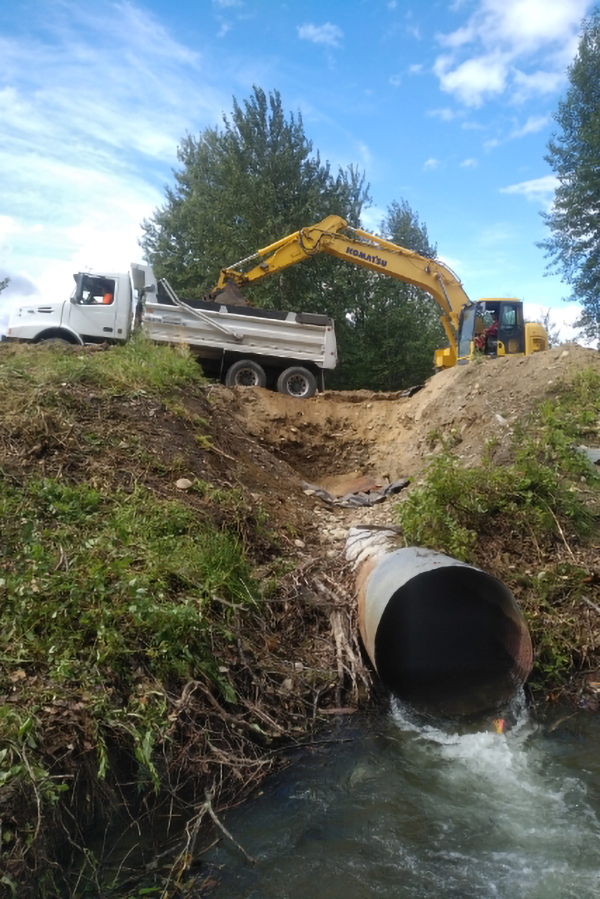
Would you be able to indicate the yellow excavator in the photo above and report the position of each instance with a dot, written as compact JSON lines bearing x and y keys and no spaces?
{"x":492,"y":327}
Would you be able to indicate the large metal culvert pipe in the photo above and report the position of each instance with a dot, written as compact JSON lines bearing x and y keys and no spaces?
{"x":445,"y":637}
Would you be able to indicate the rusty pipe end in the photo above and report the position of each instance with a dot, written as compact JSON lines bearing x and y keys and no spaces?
{"x":445,"y":637}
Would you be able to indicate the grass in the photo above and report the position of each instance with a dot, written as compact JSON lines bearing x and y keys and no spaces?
{"x":110,"y":595}
{"x":137,"y":367}
{"x":525,"y":519}
{"x":106,"y":596}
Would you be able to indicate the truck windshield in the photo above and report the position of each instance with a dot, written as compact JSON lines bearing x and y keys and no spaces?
{"x":466,"y":329}
{"x":97,"y":291}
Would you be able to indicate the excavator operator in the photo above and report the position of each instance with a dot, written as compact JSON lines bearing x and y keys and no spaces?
{"x":486,"y":337}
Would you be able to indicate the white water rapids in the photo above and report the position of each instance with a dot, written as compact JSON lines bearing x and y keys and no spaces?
{"x":411,"y":811}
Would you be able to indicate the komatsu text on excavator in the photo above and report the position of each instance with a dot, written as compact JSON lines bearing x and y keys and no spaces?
{"x":492,"y":327}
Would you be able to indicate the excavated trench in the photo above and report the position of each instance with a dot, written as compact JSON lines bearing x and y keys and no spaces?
{"x":390,"y":436}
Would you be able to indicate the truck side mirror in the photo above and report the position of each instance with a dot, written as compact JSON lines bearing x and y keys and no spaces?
{"x":78,"y":295}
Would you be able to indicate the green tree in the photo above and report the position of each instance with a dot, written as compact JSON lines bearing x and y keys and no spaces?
{"x":4,"y":283}
{"x":574,"y":155}
{"x":240,"y":187}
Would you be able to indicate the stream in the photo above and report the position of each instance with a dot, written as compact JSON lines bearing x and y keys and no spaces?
{"x":390,"y":807}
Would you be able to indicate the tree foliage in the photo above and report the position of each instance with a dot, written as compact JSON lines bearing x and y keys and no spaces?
{"x":393,"y":328}
{"x":241,"y":187}
{"x":256,"y":179}
{"x":574,"y":155}
{"x":4,"y":283}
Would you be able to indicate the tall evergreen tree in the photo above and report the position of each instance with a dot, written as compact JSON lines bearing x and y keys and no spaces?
{"x":241,"y":187}
{"x":574,"y":155}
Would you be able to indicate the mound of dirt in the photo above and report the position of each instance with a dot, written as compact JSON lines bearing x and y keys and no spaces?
{"x":389,"y":436}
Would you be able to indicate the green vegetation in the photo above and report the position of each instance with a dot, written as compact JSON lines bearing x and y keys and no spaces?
{"x":136,"y":368}
{"x":112,"y":598}
{"x":116,"y":589}
{"x":573,"y":156}
{"x":147,"y":637}
{"x":542,"y":506}
{"x":107,"y":592}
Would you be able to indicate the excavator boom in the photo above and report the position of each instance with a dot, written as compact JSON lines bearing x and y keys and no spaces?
{"x":372,"y":252}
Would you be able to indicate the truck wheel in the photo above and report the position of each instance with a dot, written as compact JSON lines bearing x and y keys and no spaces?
{"x":55,"y":341}
{"x":245,"y":373}
{"x":298,"y":382}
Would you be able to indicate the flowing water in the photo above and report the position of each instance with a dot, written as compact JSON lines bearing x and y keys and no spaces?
{"x":393,"y":808}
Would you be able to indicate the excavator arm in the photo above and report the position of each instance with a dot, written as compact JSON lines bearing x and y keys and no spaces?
{"x":364,"y":249}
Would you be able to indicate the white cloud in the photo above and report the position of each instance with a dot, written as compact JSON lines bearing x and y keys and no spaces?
{"x":469,"y":163}
{"x":474,"y":80}
{"x":91,"y":117}
{"x":532,"y":126}
{"x":539,"y":190}
{"x":517,"y":46}
{"x":365,"y":153}
{"x":495,"y":234}
{"x":561,"y":317}
{"x":372,"y":218}
{"x":444,"y":115}
{"x":395,"y":80}
{"x":415,"y":69}
{"x":431,"y":164}
{"x":473,"y":126}
{"x":536,"y":84}
{"x":328,"y":34}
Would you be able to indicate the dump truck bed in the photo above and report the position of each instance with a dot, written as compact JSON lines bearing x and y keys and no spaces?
{"x":300,"y":336}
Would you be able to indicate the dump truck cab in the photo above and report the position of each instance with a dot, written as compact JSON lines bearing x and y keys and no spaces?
{"x":98,"y":310}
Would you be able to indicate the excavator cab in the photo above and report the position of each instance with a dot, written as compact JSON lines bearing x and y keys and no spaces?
{"x":492,"y":327}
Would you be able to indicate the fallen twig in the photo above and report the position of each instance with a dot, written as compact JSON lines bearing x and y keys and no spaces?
{"x":223,"y":829}
{"x":591,"y":604}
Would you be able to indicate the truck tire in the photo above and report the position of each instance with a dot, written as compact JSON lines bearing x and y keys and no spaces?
{"x":245,"y":373}
{"x":55,"y":341}
{"x":298,"y":382}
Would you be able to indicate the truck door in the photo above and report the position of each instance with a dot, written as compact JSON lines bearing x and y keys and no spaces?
{"x":511,"y":331}
{"x":93,"y":308}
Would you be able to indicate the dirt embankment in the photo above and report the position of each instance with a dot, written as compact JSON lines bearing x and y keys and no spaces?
{"x":390,"y":436}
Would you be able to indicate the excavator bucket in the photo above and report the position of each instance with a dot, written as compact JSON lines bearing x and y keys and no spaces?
{"x":230,"y":295}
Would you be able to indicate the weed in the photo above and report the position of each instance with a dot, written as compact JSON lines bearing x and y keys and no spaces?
{"x":136,"y":368}
{"x":456,"y":505}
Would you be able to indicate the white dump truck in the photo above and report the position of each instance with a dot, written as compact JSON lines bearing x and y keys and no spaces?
{"x":242,"y":345}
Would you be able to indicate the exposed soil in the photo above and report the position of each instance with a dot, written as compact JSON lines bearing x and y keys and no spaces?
{"x":388,"y":436}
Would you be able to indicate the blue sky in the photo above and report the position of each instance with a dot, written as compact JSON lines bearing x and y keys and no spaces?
{"x":447,"y":105}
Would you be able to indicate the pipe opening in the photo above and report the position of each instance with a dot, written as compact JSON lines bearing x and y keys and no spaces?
{"x":453,"y":641}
